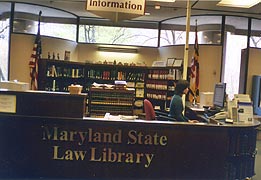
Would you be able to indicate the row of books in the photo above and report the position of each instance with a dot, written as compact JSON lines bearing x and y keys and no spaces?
{"x":171,"y":74}
{"x":116,"y":75}
{"x":112,"y":102}
{"x":53,"y":71}
{"x":158,"y":96}
{"x":159,"y":85}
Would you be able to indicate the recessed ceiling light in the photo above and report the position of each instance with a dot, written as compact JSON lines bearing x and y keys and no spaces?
{"x":239,"y":3}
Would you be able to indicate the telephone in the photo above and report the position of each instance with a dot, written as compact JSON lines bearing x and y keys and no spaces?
{"x":220,"y":115}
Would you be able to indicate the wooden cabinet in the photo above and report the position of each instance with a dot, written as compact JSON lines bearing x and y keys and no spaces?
{"x":47,"y":104}
{"x":113,"y":101}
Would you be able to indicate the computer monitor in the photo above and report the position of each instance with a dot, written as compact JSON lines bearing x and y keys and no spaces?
{"x":219,"y":95}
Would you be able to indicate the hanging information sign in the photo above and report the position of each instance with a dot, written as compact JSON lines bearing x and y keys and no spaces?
{"x":121,"y":6}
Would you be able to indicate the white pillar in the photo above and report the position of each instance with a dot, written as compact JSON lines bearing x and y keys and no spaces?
{"x":186,"y":50}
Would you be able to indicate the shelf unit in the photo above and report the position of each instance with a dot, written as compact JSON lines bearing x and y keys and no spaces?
{"x":108,"y":73}
{"x":160,"y":84}
{"x":113,"y":101}
{"x":153,"y":83}
{"x":57,"y":75}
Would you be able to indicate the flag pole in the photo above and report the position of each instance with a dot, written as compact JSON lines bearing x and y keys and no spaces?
{"x":35,"y":56}
{"x":186,"y":49}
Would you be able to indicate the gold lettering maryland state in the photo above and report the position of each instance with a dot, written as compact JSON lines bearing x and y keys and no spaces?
{"x":107,"y":155}
{"x":59,"y":134}
{"x":135,"y":137}
{"x":107,"y":137}
{"x":69,"y":155}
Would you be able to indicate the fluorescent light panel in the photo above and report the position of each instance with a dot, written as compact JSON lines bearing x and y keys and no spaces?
{"x":239,"y":3}
{"x":116,"y":49}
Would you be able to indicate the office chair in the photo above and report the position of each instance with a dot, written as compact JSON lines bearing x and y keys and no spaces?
{"x":151,"y":114}
{"x":149,"y":110}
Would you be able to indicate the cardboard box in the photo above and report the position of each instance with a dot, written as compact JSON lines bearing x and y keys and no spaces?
{"x":14,"y":85}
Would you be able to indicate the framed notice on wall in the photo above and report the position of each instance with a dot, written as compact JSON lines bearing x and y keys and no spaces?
{"x":178,"y":63}
{"x":174,"y":62}
{"x":170,"y":62}
{"x":8,"y":103}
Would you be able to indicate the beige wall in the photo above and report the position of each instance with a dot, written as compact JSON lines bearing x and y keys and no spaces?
{"x":21,"y":49}
{"x":209,"y":62}
{"x":90,"y":53}
{"x":254,"y":67}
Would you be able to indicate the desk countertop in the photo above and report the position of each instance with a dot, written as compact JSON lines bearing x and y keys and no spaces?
{"x":211,"y":123}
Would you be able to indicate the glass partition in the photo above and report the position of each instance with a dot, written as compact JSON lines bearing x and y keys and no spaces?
{"x":5,"y":9}
{"x":118,"y":35}
{"x":122,"y":33}
{"x":173,"y":31}
{"x":255,"y":39}
{"x":54,"y":23}
{"x":236,"y":29}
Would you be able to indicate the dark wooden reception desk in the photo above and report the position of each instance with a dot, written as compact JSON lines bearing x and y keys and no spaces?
{"x":43,"y":103}
{"x":43,"y":146}
{"x":75,"y":148}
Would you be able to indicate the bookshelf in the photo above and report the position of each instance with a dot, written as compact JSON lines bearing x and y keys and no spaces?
{"x":111,"y":100}
{"x":57,"y":75}
{"x":154,"y":83}
{"x":160,"y":84}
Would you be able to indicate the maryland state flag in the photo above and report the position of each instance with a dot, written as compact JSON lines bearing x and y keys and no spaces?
{"x":36,"y":55}
{"x":194,"y":71}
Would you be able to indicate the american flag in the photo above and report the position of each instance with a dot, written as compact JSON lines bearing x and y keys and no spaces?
{"x":36,"y":55}
{"x":194,"y":70}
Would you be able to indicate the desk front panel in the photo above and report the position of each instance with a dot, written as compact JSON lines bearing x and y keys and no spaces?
{"x":34,"y":147}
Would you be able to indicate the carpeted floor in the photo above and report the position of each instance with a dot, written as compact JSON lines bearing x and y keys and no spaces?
{"x":258,"y":162}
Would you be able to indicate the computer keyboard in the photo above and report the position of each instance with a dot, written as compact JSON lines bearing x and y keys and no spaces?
{"x":211,"y":111}
{"x":204,"y":118}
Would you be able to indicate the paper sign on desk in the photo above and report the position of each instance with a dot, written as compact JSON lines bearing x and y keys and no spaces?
{"x":8,"y":103}
{"x":245,"y":112}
